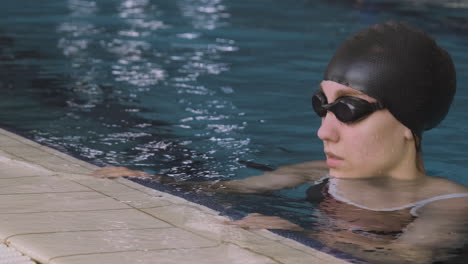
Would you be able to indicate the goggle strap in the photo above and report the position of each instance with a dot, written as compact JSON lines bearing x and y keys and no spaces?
{"x":378,"y":106}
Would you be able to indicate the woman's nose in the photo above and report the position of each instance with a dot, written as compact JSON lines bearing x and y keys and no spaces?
{"x":328,"y":131}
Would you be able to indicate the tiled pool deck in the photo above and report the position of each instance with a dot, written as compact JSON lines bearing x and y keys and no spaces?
{"x":51,"y":211}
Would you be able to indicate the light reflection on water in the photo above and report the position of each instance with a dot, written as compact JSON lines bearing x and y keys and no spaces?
{"x":125,"y":63}
{"x":189,"y":87}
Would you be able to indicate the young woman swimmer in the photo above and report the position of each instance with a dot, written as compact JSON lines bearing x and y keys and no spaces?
{"x":381,"y":90}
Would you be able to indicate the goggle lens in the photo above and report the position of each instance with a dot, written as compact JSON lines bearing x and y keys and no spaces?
{"x":347,"y":109}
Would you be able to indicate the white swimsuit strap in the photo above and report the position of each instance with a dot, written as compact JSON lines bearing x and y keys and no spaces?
{"x":421,"y":203}
{"x":321,"y":180}
{"x":414,"y":206}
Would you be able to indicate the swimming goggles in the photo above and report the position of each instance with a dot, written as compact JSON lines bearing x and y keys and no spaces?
{"x":347,"y":109}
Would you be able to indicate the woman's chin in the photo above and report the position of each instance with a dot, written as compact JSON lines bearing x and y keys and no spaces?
{"x":344,"y":174}
{"x":351,"y":175}
{"x":334,"y":173}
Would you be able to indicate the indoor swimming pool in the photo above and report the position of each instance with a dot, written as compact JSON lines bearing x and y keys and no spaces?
{"x":203,"y":89}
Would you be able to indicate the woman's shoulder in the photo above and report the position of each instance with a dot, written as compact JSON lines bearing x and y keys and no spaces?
{"x":311,"y":170}
{"x":441,"y":194}
{"x":443,"y":186}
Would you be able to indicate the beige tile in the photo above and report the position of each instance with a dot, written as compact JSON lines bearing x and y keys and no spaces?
{"x":290,"y":243}
{"x":11,"y":168}
{"x":8,"y":142}
{"x":16,"y":224}
{"x":123,"y":193}
{"x":44,"y":247}
{"x":12,"y":140}
{"x":59,"y":165}
{"x":29,"y":150}
{"x":150,"y":191}
{"x":189,"y":217}
{"x":45,"y":159}
{"x":226,"y":253}
{"x":75,"y":177}
{"x":24,"y":151}
{"x":4,"y":154}
{"x":293,"y":244}
{"x":72,"y":160}
{"x":277,"y":247}
{"x":43,"y":184}
{"x":57,"y":202}
{"x":6,"y":135}
{"x":285,"y":253}
{"x":311,"y":251}
{"x":9,"y":255}
{"x":166,"y":196}
{"x":207,"y":225}
{"x":16,"y":172}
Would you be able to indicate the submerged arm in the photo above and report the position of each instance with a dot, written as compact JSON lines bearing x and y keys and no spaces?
{"x":282,"y":178}
{"x":441,"y":226}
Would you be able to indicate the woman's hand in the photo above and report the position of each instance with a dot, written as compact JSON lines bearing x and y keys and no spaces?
{"x":115,"y":172}
{"x":259,"y":221}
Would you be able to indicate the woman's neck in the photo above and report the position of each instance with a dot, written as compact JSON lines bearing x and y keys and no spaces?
{"x":379,"y":192}
{"x":410,"y":167}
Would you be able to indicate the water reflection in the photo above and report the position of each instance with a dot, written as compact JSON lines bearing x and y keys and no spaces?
{"x":204,"y":14}
{"x":80,"y":8}
{"x":135,"y":64}
{"x":208,"y":111}
{"x":137,"y":69}
{"x":99,"y":59}
{"x":437,"y":3}
{"x":77,"y":38}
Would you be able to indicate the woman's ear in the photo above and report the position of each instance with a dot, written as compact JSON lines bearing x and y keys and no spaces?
{"x":408,"y":134}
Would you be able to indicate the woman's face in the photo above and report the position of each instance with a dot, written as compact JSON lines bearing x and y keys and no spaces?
{"x":374,"y":146}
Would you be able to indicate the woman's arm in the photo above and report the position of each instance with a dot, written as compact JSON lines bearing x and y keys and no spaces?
{"x":441,"y":226}
{"x":284,"y":177}
{"x":442,"y":223}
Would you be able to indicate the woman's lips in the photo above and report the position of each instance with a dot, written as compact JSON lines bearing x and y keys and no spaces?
{"x":333,"y":160}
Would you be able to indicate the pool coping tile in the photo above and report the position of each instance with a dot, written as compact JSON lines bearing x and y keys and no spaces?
{"x":57,"y":202}
{"x":224,"y":253}
{"x":39,"y":184}
{"x":74,"y":221}
{"x":46,"y":246}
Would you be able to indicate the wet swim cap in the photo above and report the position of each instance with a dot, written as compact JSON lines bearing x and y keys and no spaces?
{"x":401,"y":67}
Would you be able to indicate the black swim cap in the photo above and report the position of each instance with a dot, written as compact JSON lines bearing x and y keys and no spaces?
{"x":401,"y":67}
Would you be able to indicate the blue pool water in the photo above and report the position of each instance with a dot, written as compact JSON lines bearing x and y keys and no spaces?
{"x":189,"y":88}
